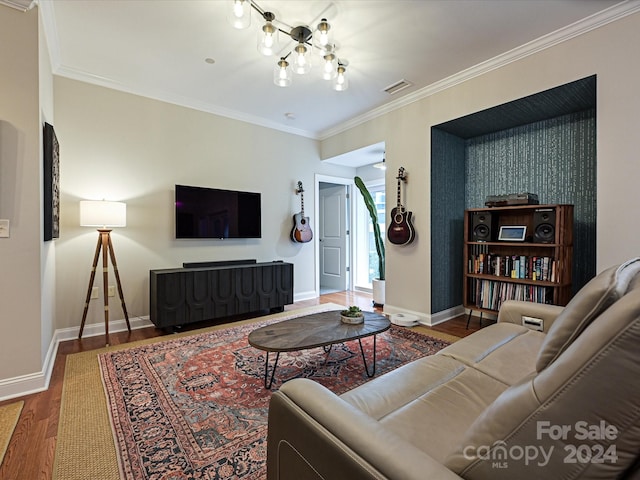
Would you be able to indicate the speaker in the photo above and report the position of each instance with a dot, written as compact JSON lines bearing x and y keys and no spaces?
{"x":483,"y":226}
{"x":544,"y":225}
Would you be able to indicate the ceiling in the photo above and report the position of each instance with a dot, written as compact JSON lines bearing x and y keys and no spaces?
{"x":159,"y":49}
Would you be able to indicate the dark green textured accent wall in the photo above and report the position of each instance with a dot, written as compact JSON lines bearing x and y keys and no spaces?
{"x":447,"y":218}
{"x":554,"y":158}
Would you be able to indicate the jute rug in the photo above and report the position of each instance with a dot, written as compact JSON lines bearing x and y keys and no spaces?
{"x":9,"y":415}
{"x":197,"y":431}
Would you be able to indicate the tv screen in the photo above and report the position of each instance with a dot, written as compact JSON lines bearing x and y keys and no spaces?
{"x":214,"y":213}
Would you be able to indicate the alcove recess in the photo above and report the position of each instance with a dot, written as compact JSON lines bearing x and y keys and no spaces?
{"x":544,"y":144}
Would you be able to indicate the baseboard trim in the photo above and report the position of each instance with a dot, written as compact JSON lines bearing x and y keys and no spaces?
{"x":23,"y":385}
{"x":445,"y":315}
{"x":39,"y":381}
{"x":305,"y":295}
{"x":95,"y":329}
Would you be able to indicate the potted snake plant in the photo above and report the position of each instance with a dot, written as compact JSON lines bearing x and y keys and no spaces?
{"x":379,"y":282}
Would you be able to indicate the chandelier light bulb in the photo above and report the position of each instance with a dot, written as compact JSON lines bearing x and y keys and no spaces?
{"x":237,"y":8}
{"x":310,"y":45}
{"x":268,"y":39}
{"x":282,"y":73}
{"x":341,"y":82}
{"x":329,"y":70}
{"x":322,"y":37}
{"x":240,"y":14}
{"x":301,"y":59}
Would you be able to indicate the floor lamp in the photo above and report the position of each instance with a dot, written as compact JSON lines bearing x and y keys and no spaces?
{"x":104,"y":214}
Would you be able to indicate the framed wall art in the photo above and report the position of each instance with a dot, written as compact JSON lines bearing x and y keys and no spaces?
{"x":51,"y":180}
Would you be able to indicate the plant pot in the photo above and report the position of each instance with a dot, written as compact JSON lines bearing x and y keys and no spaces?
{"x":378,"y":292}
{"x":352,"y":320}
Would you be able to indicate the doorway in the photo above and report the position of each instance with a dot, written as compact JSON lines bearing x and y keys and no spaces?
{"x":333,"y":234}
{"x":347,"y":266}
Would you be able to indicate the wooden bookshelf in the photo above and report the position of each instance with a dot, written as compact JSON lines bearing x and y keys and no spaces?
{"x":536,"y":269}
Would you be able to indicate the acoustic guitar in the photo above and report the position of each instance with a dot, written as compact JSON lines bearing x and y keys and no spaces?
{"x":400,"y":230}
{"x":301,"y":232}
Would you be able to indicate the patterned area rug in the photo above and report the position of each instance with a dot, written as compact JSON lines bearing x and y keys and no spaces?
{"x":196,"y":407}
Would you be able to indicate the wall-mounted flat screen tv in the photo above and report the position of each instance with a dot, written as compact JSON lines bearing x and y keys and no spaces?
{"x":215,"y":213}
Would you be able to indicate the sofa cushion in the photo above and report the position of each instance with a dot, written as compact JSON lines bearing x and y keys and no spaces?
{"x":504,"y":351}
{"x":587,"y":399}
{"x":429,"y":402}
{"x":312,"y":433}
{"x":397,"y":388}
{"x":594,"y":298}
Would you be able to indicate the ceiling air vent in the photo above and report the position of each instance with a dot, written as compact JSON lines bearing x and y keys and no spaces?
{"x":22,"y":5}
{"x":396,"y":87}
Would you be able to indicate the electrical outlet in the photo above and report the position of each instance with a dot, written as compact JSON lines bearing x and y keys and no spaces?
{"x":4,"y":228}
{"x":112,"y":291}
{"x":95,"y":291}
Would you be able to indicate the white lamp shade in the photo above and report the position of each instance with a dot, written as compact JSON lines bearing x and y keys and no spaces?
{"x":100,"y":213}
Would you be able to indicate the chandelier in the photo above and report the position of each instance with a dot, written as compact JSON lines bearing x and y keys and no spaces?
{"x":310,"y":46}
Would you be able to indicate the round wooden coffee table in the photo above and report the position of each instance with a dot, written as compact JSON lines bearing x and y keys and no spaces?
{"x":312,"y":331}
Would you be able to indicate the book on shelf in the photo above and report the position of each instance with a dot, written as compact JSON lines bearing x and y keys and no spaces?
{"x":491,"y":294}
{"x":514,"y":266}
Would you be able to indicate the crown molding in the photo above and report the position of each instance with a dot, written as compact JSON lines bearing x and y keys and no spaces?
{"x":174,"y":99}
{"x":53,"y":43}
{"x":22,"y":5}
{"x":616,"y":12}
{"x":50,"y":32}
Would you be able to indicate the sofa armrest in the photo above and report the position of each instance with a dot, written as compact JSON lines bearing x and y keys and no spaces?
{"x":512,"y":311}
{"x":314,"y":434}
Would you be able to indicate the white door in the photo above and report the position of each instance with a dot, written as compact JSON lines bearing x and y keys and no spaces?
{"x":332,"y":237}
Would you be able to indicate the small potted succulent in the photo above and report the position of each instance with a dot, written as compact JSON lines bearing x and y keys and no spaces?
{"x":352,"y":315}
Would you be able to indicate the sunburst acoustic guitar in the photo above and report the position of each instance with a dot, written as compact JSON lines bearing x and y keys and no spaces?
{"x":301,"y":232}
{"x":400,"y":230}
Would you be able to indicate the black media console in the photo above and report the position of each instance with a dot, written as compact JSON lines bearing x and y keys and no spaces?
{"x":211,"y":290}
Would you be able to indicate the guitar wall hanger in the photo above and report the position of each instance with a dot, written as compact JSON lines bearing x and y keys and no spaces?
{"x":401,"y":231}
{"x":301,"y":232}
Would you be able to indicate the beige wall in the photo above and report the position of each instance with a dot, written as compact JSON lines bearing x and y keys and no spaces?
{"x":48,"y":249}
{"x":20,"y":195}
{"x":606,"y":52}
{"x":124,"y":147}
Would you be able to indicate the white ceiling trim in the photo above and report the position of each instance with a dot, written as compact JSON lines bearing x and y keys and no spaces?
{"x":22,"y":5}
{"x":57,"y":68}
{"x":174,"y":99}
{"x":554,"y":38}
{"x":50,"y":33}
{"x":614,"y":13}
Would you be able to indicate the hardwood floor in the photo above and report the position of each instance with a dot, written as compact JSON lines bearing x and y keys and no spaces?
{"x":30,"y":454}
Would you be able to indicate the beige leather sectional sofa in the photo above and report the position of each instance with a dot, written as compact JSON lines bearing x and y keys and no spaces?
{"x":506,"y":402}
